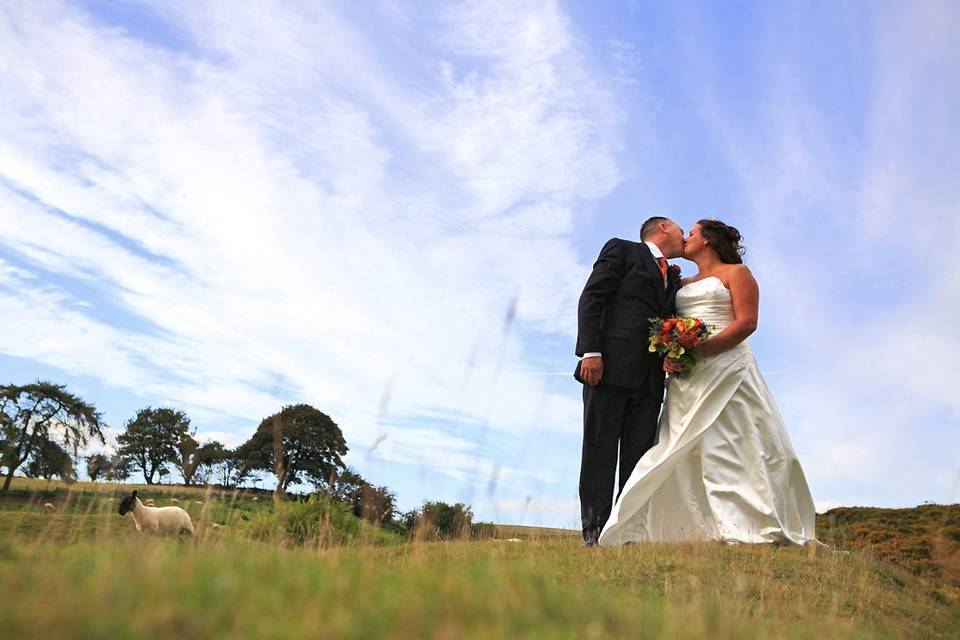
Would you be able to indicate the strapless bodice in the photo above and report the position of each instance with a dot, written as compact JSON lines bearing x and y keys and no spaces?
{"x":708,"y":300}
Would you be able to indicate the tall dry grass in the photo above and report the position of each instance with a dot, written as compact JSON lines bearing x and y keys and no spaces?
{"x":82,"y":571}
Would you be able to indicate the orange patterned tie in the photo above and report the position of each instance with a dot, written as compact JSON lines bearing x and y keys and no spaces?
{"x":663,"y":269}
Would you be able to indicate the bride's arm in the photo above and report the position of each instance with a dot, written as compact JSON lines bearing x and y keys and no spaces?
{"x":746,"y":303}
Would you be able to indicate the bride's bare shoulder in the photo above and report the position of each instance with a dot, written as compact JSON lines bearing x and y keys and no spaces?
{"x":738,"y":275}
{"x":739,"y":271}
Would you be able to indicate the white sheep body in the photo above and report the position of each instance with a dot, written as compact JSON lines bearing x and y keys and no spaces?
{"x":161,"y":520}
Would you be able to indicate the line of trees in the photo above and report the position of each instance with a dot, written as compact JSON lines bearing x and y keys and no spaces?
{"x":298,"y":445}
{"x":42,"y":423}
{"x":156,"y":438}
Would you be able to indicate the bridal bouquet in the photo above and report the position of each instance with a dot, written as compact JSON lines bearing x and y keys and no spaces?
{"x":677,"y":337}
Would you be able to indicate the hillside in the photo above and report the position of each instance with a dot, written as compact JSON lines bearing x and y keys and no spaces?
{"x":925,"y":540}
{"x":249,"y":573}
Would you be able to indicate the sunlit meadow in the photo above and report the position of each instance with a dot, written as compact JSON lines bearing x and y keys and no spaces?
{"x":70,"y":566}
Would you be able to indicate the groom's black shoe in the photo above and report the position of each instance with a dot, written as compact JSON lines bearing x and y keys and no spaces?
{"x":590,"y":538}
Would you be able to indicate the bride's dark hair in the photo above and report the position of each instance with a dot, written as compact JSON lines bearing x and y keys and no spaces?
{"x":724,"y":239}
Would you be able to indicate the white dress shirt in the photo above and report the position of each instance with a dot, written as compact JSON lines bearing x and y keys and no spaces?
{"x":657,"y":254}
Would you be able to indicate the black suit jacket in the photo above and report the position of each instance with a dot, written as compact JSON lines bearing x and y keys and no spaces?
{"x":624,"y":290}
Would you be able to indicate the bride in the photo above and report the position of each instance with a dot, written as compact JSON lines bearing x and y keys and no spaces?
{"x":723,"y":467}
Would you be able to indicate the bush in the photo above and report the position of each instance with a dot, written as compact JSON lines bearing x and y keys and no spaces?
{"x":924,"y":540}
{"x":483,"y":530}
{"x":319,"y":521}
{"x":439,"y":521}
{"x":315,"y":522}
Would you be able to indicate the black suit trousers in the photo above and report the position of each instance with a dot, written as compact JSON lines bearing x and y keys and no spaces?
{"x":613,"y":418}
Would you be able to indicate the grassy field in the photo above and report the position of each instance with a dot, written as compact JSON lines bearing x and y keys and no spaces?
{"x":80,"y":570}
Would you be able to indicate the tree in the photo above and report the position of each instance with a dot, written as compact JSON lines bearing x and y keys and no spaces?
{"x":98,"y":465}
{"x":369,"y":502}
{"x":220,"y":462}
{"x":297,"y":442}
{"x":439,"y":519}
{"x":347,"y":486}
{"x":187,"y":457}
{"x":34,"y":414}
{"x":151,"y":439}
{"x":210,"y":456}
{"x":236,"y":467}
{"x":49,"y":461}
{"x":377,"y":504}
{"x":409,"y":519}
{"x":119,"y":469}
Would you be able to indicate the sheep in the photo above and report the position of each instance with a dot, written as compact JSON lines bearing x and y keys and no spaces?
{"x":49,"y":507}
{"x":156,"y":520}
{"x":174,"y":501}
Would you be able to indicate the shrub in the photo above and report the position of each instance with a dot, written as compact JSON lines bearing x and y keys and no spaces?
{"x":483,"y":530}
{"x":314,"y":522}
{"x":319,"y":521}
{"x":439,"y":521}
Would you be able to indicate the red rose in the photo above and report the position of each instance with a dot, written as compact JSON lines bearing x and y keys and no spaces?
{"x":688,"y":340}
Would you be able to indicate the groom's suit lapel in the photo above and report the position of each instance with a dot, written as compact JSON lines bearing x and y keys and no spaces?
{"x":673,"y":285}
{"x":652,"y":265}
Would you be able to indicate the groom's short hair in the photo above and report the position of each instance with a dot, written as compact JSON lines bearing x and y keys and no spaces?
{"x":650,"y":226}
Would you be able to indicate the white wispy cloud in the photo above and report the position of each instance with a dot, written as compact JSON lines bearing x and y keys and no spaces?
{"x":854,"y":241}
{"x":267,"y":212}
{"x":374,"y":209}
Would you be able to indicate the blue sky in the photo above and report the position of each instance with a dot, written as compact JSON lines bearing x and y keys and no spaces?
{"x":388,"y":211}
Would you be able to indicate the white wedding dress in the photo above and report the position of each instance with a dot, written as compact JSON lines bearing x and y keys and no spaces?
{"x":723,"y":467}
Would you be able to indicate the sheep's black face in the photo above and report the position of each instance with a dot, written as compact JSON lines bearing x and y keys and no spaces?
{"x":127,"y":504}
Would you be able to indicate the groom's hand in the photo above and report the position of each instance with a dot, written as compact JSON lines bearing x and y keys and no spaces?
{"x":672,"y":365}
{"x":591,"y":370}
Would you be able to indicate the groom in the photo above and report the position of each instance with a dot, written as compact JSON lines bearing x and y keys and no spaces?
{"x":622,"y":380}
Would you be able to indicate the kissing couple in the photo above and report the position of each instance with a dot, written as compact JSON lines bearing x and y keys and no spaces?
{"x":711,"y":462}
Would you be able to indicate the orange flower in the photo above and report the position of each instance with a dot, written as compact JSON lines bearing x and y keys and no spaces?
{"x":688,"y":340}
